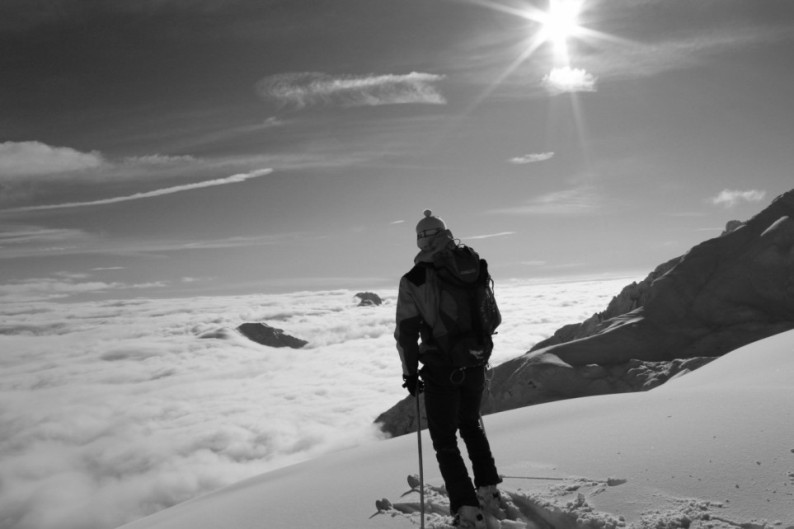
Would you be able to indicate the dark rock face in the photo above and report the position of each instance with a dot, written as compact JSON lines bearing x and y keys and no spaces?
{"x":724,"y":293}
{"x":549,"y":383}
{"x":264,"y":334}
{"x":632,"y":297}
{"x":369,"y":299}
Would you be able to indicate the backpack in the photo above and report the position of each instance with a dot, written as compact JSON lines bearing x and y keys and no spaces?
{"x":467,"y":312}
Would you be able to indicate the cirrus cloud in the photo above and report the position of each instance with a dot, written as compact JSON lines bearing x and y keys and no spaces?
{"x":569,"y":202}
{"x":491,"y":235}
{"x":301,"y":90}
{"x":531,"y":158}
{"x":62,"y":286}
{"x":732,"y":197}
{"x":159,"y":160}
{"x":33,"y":158}
{"x":233,"y":179}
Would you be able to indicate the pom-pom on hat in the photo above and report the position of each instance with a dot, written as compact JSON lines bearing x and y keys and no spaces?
{"x":429,"y":225}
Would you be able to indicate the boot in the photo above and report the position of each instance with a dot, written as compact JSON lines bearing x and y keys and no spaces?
{"x":491,"y":501}
{"x":469,"y":517}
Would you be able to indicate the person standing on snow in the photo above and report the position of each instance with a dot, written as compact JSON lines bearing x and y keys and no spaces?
{"x":452,"y":395}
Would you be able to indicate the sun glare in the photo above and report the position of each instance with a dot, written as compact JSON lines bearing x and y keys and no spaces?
{"x":559,"y":24}
{"x":560,"y":21}
{"x":554,"y":26}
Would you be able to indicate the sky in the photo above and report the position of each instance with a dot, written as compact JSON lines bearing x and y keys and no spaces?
{"x":116,"y":409}
{"x":166,"y":148}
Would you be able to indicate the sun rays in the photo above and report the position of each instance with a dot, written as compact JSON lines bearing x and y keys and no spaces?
{"x":552,"y":28}
{"x":558,"y":24}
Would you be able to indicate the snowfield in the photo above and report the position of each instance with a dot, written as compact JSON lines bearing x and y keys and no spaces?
{"x":713,"y":448}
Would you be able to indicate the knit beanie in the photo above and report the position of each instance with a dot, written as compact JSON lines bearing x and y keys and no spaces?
{"x":429,"y":222}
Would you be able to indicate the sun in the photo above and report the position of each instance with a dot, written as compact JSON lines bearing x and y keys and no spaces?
{"x":558,"y":24}
{"x":560,"y":21}
{"x":552,"y":27}
{"x":555,"y":25}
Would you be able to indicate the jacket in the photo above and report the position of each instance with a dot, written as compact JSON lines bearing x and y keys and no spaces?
{"x":417,"y":308}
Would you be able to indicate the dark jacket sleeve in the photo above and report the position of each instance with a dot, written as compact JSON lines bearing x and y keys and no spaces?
{"x":409,"y":321}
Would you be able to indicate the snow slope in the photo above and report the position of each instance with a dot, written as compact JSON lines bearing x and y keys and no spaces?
{"x":714,"y":448}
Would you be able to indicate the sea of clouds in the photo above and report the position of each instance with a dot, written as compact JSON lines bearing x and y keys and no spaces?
{"x":113,"y":410}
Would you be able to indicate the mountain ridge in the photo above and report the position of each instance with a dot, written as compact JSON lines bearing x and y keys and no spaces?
{"x":723,"y":293}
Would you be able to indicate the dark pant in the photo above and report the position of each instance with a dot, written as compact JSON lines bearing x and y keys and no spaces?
{"x":452,"y":403}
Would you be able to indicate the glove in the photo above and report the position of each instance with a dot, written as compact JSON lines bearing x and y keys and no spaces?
{"x":413,"y":384}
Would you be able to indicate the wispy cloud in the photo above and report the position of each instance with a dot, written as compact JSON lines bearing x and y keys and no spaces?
{"x":732,"y":197}
{"x":577,"y":201}
{"x":234,"y":133}
{"x":531,"y":158}
{"x":159,"y":159}
{"x":33,"y":158}
{"x":232,"y":242}
{"x":679,"y":49}
{"x":233,"y":179}
{"x":35,"y":241}
{"x":63,"y":286}
{"x":22,"y":235}
{"x":490,"y":235}
{"x":29,"y":162}
{"x":33,"y":162}
{"x":301,"y":90}
{"x":562,"y":80}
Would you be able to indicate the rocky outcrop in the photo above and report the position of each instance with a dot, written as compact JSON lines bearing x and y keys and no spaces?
{"x":368,"y":299}
{"x":578,"y":381}
{"x":264,"y":334}
{"x":724,"y":293}
{"x":632,"y":297}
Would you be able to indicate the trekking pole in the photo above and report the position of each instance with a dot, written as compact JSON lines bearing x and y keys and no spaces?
{"x":532,"y":477}
{"x":421,"y":468}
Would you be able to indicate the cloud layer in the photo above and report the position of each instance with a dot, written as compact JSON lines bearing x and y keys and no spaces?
{"x":114,"y":410}
{"x":300,"y":90}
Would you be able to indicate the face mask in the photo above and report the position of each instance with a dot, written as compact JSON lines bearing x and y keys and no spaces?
{"x":423,"y":238}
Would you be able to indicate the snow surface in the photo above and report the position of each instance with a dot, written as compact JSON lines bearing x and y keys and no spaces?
{"x":713,"y":448}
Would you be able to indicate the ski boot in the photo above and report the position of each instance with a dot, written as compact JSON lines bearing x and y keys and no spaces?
{"x":492,"y":506}
{"x":469,"y":517}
